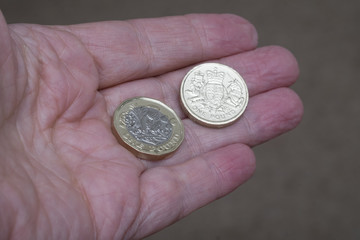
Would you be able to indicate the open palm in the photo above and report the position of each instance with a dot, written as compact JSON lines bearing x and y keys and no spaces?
{"x":62,"y":172}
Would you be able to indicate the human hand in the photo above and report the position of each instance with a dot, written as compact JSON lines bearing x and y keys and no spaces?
{"x":62,"y":172}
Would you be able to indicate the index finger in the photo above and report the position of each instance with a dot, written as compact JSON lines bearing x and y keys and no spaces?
{"x":126,"y":50}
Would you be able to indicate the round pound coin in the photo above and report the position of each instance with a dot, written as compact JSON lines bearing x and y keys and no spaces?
{"x":213,"y":95}
{"x":148,"y":128}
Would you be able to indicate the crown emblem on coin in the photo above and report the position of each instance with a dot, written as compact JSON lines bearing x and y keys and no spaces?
{"x":215,"y":76}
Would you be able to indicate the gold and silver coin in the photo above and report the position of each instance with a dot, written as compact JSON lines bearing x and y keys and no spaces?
{"x":148,"y":128}
{"x":214,"y":95}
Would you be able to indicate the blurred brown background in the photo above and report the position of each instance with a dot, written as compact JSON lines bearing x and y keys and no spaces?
{"x":307,"y":181}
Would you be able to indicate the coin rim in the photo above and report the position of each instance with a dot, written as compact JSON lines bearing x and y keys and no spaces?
{"x":143,"y":153}
{"x":193,"y":116}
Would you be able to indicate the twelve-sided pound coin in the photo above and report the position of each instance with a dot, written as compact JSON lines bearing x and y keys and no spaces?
{"x":213,"y":95}
{"x":148,"y":128}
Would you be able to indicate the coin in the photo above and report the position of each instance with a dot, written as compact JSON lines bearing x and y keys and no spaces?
{"x":213,"y":95}
{"x":148,"y":128}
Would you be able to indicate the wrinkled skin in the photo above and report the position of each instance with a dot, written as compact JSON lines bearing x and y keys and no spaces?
{"x":62,"y":173}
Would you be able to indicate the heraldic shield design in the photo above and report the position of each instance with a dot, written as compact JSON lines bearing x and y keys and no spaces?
{"x":215,"y":91}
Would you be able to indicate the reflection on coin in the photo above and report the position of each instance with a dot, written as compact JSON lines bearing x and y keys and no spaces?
{"x":213,"y":95}
{"x":148,"y":128}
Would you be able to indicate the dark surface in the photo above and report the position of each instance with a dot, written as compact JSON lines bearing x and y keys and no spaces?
{"x":307,"y":181}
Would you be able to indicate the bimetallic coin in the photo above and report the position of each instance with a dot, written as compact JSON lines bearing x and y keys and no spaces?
{"x":213,"y":95}
{"x":148,"y":128}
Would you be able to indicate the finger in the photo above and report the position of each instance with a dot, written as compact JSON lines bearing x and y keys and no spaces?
{"x":142,"y":48}
{"x":170,"y":193}
{"x":268,"y":115}
{"x":5,"y":45}
{"x":263,"y":69}
{"x":8,"y":85}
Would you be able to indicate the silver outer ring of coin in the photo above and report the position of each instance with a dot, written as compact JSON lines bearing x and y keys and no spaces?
{"x":141,"y":149}
{"x":203,"y":115}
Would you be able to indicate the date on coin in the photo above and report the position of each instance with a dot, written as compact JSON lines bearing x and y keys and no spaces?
{"x":213,"y":95}
{"x":148,"y":128}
